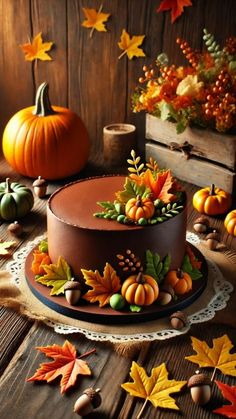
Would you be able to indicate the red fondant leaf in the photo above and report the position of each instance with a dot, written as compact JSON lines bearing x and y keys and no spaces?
{"x":65,"y":363}
{"x":160,"y":185}
{"x":229,"y":393}
{"x":176,"y":7}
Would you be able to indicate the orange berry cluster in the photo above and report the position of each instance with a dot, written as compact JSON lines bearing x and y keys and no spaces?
{"x":230,"y":45}
{"x":192,"y":57}
{"x":168,"y":73}
{"x":149,"y":73}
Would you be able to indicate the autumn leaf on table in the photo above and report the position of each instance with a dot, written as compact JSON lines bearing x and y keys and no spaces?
{"x":66,"y":363}
{"x":4,"y":247}
{"x":95,"y":20}
{"x":156,"y":388}
{"x":218,"y":357}
{"x":130,"y":45}
{"x":229,"y":393}
{"x":56,"y":276}
{"x":176,"y":7}
{"x":37,"y":50}
{"x":103,"y":287}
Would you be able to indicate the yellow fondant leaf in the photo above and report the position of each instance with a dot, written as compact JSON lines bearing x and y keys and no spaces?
{"x":37,"y":49}
{"x":130,"y":45}
{"x":56,"y":276}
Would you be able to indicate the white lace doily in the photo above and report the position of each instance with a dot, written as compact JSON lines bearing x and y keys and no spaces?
{"x":222,"y":290}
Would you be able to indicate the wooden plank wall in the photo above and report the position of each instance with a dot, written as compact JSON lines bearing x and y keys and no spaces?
{"x":85,"y":74}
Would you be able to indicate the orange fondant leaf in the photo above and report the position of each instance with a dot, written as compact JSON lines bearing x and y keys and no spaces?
{"x":37,"y":49}
{"x":218,"y":356}
{"x":56,"y":276}
{"x":4,"y":247}
{"x":102,"y":286}
{"x":156,"y":388}
{"x":39,"y":259}
{"x":130,"y":45}
{"x":229,"y":393}
{"x":159,"y":184}
{"x":176,"y":7}
{"x":65,"y":363}
{"x":95,"y":20}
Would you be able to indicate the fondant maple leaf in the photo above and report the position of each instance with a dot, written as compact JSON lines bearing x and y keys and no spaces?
{"x":176,"y":7}
{"x":130,"y":45}
{"x":37,"y":49}
{"x":56,"y":276}
{"x":159,"y":184}
{"x":103,"y":286}
{"x":66,"y":363}
{"x":95,"y":20}
{"x":229,"y":393}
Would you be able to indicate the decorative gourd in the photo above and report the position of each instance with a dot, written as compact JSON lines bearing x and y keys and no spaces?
{"x":16,"y":200}
{"x":139,"y":207}
{"x":140,"y":289}
{"x":212,"y":200}
{"x":230,"y":222}
{"x":45,"y":140}
{"x":180,"y":281}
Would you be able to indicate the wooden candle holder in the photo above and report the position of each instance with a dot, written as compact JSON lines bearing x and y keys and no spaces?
{"x":118,"y":141}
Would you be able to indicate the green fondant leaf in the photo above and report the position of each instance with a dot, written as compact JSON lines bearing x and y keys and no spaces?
{"x":187,"y":267}
{"x":135,"y":309}
{"x":131,"y":190}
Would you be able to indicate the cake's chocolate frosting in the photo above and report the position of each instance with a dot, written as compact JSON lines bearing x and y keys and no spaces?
{"x":88,"y":242}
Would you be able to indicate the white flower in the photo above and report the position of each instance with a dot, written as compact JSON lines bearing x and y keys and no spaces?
{"x":189,"y":86}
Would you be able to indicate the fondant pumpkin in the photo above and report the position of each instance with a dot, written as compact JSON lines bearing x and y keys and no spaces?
{"x":140,"y":289}
{"x":212,"y":200}
{"x":230,"y":222}
{"x":180,"y":281}
{"x":43,"y":140}
{"x":16,"y":200}
{"x":139,"y":207}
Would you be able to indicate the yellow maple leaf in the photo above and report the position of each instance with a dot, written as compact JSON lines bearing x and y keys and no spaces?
{"x":103,"y":286}
{"x":156,"y":388}
{"x":130,"y":45}
{"x":218,"y":356}
{"x":95,"y":20}
{"x":56,"y":276}
{"x":4,"y":247}
{"x":37,"y":49}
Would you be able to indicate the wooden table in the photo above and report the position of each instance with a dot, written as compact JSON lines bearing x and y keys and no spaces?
{"x":19,"y":359}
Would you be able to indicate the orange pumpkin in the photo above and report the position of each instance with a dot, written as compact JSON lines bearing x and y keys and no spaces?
{"x":180,"y":281}
{"x":140,"y":289}
{"x":46,"y":141}
{"x":230,"y":222}
{"x":212,"y":200}
{"x":139,"y":207}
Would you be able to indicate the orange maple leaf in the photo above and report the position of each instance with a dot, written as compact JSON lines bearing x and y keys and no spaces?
{"x":37,"y":49}
{"x":40,"y":259}
{"x":176,"y":7}
{"x":65,"y":363}
{"x":103,"y":286}
{"x":130,"y":45}
{"x":95,"y":20}
{"x":159,"y":185}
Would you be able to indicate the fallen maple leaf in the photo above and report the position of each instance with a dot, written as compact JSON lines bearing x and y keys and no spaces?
{"x":218,"y":356}
{"x":37,"y":49}
{"x":156,"y":388}
{"x":95,"y":20}
{"x":176,"y":7}
{"x":130,"y":46}
{"x":103,"y":286}
{"x":65,"y":363}
{"x":229,"y":393}
{"x":56,"y":276}
{"x":4,"y":247}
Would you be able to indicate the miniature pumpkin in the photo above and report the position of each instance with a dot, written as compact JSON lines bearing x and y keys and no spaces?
{"x":46,"y":141}
{"x":180,"y":281}
{"x":212,"y":200}
{"x":16,"y":200}
{"x":140,"y":289}
{"x":139,"y":207}
{"x":230,"y":222}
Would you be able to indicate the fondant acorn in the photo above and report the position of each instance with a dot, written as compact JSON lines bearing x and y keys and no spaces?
{"x":212,"y":240}
{"x":201,"y":224}
{"x":88,"y":401}
{"x":40,"y":187}
{"x":178,"y":320}
{"x":15,"y":228}
{"x":200,"y":388}
{"x":166,"y":295}
{"x":72,"y":291}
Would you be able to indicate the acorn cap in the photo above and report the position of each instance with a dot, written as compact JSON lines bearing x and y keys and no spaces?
{"x":94,"y":396}
{"x":72,"y":285}
{"x":199,"y":380}
{"x":214,"y":235}
{"x":168,"y":289}
{"x":40,"y":182}
{"x":179,"y":315}
{"x":202,"y":220}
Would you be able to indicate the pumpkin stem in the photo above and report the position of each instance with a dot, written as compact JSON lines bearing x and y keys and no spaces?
{"x":42,"y":102}
{"x":139,"y":201}
{"x":179,"y":273}
{"x":8,"y":186}
{"x":212,"y":189}
{"x":139,"y":278}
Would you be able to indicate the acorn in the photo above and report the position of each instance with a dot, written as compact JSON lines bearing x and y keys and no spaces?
{"x":88,"y":401}
{"x":212,"y":240}
{"x":15,"y":229}
{"x":178,"y":320}
{"x":166,"y":295}
{"x":200,"y":388}
{"x":201,"y":224}
{"x":72,"y":291}
{"x":40,"y":187}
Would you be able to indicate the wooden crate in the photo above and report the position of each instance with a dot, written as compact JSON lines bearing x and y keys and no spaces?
{"x":198,"y":156}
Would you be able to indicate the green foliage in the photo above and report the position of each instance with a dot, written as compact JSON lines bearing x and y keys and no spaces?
{"x":166,"y":212}
{"x":212,"y":46}
{"x":156,"y":267}
{"x":132,"y":190}
{"x":187,"y":267}
{"x":134,"y":308}
{"x":134,"y":162}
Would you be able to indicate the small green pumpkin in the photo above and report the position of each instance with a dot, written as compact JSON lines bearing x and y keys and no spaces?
{"x":16,"y":200}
